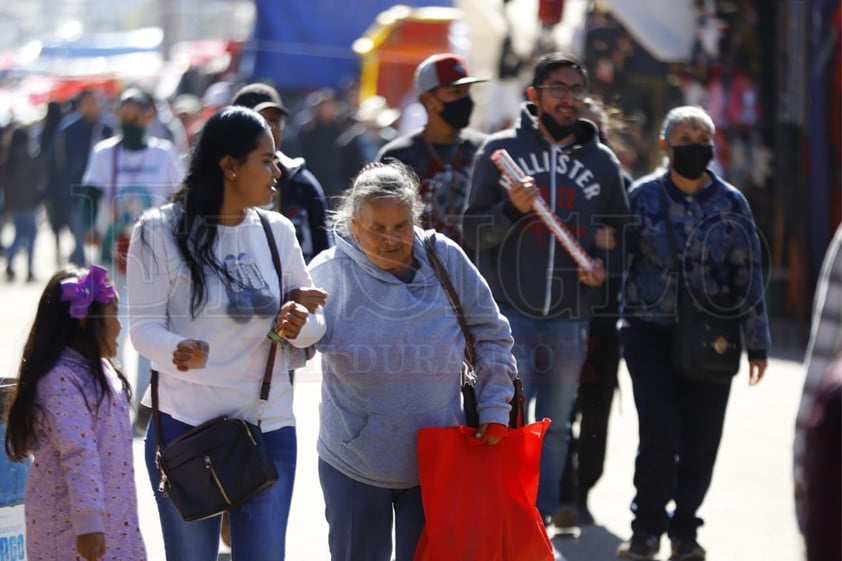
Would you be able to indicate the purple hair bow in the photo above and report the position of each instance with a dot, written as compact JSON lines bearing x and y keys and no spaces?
{"x":83,"y":291}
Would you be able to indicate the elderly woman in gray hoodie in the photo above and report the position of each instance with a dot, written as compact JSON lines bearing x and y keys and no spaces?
{"x":391,"y":359}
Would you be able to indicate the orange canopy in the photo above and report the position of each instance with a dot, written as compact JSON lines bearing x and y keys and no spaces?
{"x":400,"y":38}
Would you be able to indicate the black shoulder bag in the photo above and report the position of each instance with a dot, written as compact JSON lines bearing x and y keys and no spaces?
{"x":222,"y":462}
{"x":705,"y":346}
{"x":469,"y":396}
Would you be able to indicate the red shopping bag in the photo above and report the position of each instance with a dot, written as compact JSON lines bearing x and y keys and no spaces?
{"x":479,"y":501}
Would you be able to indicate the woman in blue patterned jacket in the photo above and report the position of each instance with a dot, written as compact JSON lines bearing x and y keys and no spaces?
{"x":717,"y":249}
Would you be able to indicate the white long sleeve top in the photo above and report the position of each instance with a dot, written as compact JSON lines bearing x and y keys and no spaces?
{"x":234,"y":320}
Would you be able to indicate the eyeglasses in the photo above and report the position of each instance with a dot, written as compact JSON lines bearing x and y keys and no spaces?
{"x":560,"y":91}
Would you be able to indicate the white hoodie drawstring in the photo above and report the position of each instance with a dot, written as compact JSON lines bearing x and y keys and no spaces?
{"x":551,"y":260}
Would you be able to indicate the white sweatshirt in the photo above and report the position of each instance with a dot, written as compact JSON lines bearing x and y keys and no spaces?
{"x":234,"y":320}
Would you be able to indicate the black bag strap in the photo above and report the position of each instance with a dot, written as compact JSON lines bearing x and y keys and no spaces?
{"x":517,"y":415}
{"x":270,"y":360}
{"x":444,"y":278}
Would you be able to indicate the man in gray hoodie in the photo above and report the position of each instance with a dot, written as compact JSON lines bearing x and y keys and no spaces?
{"x":539,"y":287}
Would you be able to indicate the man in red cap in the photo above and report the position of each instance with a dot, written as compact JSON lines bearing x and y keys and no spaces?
{"x":441,"y":153}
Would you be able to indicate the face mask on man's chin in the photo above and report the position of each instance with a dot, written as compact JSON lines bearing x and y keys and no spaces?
{"x":554,"y":129}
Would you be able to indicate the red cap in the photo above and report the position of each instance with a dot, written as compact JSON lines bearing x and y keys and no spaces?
{"x":445,"y":69}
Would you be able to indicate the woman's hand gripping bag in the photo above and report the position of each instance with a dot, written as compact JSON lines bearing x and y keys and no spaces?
{"x":479,"y":501}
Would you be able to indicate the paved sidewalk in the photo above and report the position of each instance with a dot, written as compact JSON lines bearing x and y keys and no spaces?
{"x":748,"y":512}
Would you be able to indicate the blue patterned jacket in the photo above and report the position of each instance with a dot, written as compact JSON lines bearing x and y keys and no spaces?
{"x":720,"y":255}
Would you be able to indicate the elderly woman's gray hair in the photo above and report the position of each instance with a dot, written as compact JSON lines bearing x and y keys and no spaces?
{"x":687,"y":114}
{"x":378,"y":180}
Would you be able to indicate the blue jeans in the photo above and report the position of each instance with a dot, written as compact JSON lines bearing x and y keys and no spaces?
{"x":359,"y":518}
{"x":680,"y":428}
{"x":550,"y":354}
{"x":258,"y":527}
{"x":25,"y":231}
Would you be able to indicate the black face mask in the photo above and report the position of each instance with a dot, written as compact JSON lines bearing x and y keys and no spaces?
{"x":457,"y":113}
{"x":133,"y":136}
{"x":558,"y":132}
{"x":691,"y":160}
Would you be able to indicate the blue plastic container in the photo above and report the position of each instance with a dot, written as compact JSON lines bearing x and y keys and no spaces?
{"x":12,"y":485}
{"x":12,"y":474}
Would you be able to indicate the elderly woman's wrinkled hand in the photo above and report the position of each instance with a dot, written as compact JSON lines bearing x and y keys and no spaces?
{"x":291,"y":319}
{"x":309,"y":297}
{"x":491,"y":434}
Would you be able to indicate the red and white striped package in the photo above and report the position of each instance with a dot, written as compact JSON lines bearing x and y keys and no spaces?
{"x":568,"y":241}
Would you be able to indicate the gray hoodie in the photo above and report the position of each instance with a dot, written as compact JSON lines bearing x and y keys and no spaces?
{"x":524,"y":264}
{"x":392,"y":354}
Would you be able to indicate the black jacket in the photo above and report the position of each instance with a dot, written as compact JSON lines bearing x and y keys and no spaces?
{"x":301,"y":199}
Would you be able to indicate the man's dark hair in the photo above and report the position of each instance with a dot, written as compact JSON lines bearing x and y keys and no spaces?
{"x":83,"y":93}
{"x":552,"y":61}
